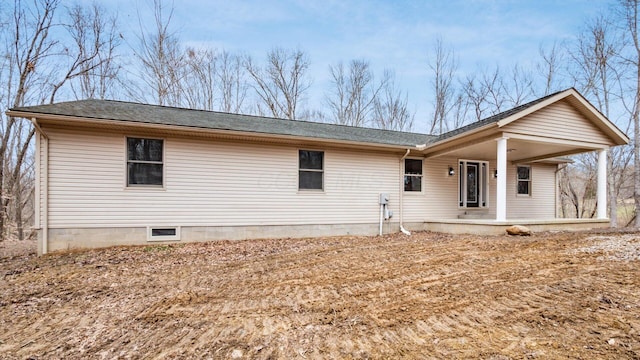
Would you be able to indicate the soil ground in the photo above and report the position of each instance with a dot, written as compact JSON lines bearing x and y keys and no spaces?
{"x":551,"y":295}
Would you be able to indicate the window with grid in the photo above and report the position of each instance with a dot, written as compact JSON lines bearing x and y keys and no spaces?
{"x":310,"y":170}
{"x":144,"y":162}
{"x":524,"y":180}
{"x":412,"y":175}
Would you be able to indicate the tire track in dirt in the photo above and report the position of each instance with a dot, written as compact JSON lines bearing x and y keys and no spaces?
{"x":428,"y":295}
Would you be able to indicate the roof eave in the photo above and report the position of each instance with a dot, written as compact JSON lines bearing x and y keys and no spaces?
{"x":460,"y":136}
{"x":618,"y":137}
{"x":184,"y":128}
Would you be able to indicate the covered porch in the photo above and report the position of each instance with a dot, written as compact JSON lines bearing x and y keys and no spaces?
{"x":504,"y":168}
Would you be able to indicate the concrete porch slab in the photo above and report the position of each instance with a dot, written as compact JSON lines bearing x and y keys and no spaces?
{"x":493,"y":227}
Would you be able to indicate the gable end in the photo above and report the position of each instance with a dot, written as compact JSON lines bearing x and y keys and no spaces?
{"x":560,"y":120}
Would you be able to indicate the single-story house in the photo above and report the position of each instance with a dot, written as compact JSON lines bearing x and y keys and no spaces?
{"x":114,"y":173}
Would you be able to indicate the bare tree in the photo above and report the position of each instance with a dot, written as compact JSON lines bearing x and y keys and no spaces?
{"x":577,"y":185}
{"x":96,"y":40}
{"x":35,"y":67}
{"x":27,"y":45}
{"x":518,"y":87}
{"x":630,"y":15}
{"x":314,"y":115}
{"x":352,"y":96}
{"x":281,"y":84}
{"x":595,"y":75}
{"x":86,"y":29}
{"x":390,"y":109}
{"x":487,"y":93}
{"x":493,"y":87}
{"x":161,"y":60}
{"x":199,"y":81}
{"x":592,"y":62}
{"x":460,"y":111}
{"x":232,"y":84}
{"x":549,"y":68}
{"x":443,"y":68}
{"x":476,"y":95}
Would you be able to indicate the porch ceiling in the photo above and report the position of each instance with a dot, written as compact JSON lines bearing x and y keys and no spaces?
{"x":518,"y":150}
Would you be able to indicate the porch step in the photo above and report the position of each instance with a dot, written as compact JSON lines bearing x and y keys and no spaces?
{"x":476,"y":216}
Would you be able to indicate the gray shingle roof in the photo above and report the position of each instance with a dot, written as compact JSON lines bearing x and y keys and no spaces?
{"x":494,"y":118}
{"x":162,"y":115}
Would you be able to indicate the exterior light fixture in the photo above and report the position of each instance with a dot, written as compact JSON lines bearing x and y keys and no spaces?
{"x":495,"y":173}
{"x":451,"y":171}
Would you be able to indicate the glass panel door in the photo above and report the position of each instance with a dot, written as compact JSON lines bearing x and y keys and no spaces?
{"x":472,"y":185}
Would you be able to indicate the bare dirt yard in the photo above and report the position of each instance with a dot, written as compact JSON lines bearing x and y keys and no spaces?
{"x":551,"y":295}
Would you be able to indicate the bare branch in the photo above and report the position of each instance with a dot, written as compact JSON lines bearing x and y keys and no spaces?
{"x":443,"y":67}
{"x":390,"y":109}
{"x":352,"y":96}
{"x":281,"y":84}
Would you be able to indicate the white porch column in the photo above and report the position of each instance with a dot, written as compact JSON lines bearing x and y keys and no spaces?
{"x":602,"y":184}
{"x":501,"y":186}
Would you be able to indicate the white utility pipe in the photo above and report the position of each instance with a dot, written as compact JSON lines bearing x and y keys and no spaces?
{"x":404,"y":231}
{"x":45,"y":198}
{"x":381,"y":218}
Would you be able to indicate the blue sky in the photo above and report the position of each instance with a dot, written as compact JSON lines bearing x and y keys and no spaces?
{"x":397,"y":35}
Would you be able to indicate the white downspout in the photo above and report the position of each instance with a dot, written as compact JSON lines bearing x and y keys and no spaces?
{"x":42,"y":172}
{"x":381,"y":219}
{"x":404,"y":231}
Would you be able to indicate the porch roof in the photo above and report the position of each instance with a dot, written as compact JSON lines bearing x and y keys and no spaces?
{"x":554,"y":126}
{"x":494,"y":119}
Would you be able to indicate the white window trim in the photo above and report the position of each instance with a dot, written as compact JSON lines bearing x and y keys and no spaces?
{"x":126,"y":164}
{"x":324,"y":158}
{"x":530,"y":180}
{"x":484,"y":198}
{"x":151,"y":237}
{"x":404,"y":174}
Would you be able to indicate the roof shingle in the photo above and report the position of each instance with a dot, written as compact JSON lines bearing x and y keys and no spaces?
{"x":201,"y":119}
{"x":163,"y":115}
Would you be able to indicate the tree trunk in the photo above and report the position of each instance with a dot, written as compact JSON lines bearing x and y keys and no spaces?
{"x":18,"y":215}
{"x":632,"y":21}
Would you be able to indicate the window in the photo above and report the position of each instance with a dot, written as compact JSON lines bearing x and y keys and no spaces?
{"x":412,"y":175}
{"x":144,"y":162}
{"x":524,"y":180}
{"x":310,"y":170}
{"x":473,"y":178}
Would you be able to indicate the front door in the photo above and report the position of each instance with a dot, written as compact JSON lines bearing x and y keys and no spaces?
{"x":472,"y":184}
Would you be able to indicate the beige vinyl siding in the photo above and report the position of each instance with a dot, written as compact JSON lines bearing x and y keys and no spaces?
{"x":439,"y":197}
{"x":441,"y":200}
{"x":560,"y":121}
{"x":211,"y":183}
{"x":541,"y":204}
{"x":441,"y":193}
{"x":415,"y":202}
{"x":441,"y":190}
